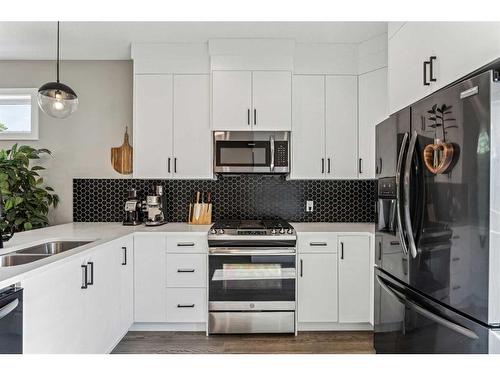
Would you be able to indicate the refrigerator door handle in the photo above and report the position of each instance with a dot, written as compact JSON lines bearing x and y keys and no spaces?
{"x":429,"y":315}
{"x":406,"y":193}
{"x":398,"y":194}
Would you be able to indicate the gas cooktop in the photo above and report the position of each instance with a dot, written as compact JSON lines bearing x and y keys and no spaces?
{"x":276,"y":232}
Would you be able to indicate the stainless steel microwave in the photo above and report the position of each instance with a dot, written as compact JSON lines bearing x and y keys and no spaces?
{"x":238,"y":152}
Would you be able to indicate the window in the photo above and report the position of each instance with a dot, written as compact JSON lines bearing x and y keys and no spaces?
{"x":18,"y":114}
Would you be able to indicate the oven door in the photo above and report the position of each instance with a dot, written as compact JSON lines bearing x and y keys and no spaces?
{"x":252,"y":280}
{"x":239,"y":156}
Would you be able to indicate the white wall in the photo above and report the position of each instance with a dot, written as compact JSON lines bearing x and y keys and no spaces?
{"x":81,"y":143}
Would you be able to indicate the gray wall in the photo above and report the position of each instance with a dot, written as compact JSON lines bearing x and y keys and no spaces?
{"x":81,"y":143}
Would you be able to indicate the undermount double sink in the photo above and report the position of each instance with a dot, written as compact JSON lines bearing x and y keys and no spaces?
{"x":37,"y":252}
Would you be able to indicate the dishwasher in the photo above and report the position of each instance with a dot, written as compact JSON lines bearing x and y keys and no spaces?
{"x":11,"y":320}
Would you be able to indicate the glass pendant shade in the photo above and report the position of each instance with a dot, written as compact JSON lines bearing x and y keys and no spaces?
{"x":57,"y":100}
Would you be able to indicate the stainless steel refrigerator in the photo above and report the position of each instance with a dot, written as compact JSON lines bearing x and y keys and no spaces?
{"x":437,"y":276}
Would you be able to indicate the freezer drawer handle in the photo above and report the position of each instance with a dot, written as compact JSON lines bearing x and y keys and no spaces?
{"x":430,"y":315}
{"x":185,"y":244}
{"x":8,"y":308}
{"x":185,"y":270}
{"x":185,"y":306}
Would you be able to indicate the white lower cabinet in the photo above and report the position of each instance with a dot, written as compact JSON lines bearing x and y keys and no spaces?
{"x":354,"y":279}
{"x":186,"y":305}
{"x":53,"y":316}
{"x":170,"y":278}
{"x":68,"y":310}
{"x":317,"y":284}
{"x":150,"y":277}
{"x":334,"y":280}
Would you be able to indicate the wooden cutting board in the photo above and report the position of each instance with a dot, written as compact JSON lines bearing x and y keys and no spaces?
{"x":121,"y":157}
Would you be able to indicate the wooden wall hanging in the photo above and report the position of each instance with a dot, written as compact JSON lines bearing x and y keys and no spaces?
{"x":121,"y":157}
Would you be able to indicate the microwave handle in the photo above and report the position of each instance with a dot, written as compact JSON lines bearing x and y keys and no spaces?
{"x":271,"y":141}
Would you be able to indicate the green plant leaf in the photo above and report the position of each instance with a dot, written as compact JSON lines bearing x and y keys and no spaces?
{"x":28,"y":226}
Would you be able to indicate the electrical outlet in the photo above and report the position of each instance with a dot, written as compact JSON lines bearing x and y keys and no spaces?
{"x":309,"y":206}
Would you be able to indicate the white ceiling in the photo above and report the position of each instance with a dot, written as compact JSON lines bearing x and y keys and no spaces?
{"x":112,"y":40}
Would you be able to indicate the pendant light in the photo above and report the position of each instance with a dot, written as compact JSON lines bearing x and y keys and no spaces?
{"x":55,"y":98}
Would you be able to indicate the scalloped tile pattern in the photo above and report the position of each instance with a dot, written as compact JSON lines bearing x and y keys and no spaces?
{"x":238,"y":197}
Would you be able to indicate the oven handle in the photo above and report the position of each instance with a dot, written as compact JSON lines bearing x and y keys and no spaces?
{"x":245,"y":251}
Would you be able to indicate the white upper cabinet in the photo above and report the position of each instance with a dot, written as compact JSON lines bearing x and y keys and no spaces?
{"x":171,"y":126}
{"x":245,"y":100}
{"x":272,"y":100}
{"x":372,"y":110}
{"x":459,"y":48}
{"x":308,"y":127}
{"x":192,"y":151}
{"x":152,"y":134}
{"x":325,"y":127}
{"x":231,"y":100}
{"x":341,"y":127}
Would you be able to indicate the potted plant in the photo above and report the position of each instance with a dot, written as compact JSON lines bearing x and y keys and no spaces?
{"x":26,"y":201}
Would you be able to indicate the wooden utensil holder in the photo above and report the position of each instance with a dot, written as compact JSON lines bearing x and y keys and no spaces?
{"x":200,"y":213}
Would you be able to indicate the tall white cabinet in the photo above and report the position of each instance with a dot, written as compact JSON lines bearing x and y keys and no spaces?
{"x":325,"y":127}
{"x":373,"y":109}
{"x":251,"y":100}
{"x":171,"y":126}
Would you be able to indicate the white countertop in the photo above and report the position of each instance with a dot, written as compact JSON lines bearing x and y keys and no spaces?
{"x":101,"y":233}
{"x":335,"y":227}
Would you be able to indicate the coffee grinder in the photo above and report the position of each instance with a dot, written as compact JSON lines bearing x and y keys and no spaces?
{"x":133,"y":211}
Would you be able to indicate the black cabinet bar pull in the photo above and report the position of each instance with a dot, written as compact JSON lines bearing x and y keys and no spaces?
{"x":317,"y":243}
{"x":248,"y":116}
{"x":175,"y":165}
{"x":185,"y":270}
{"x":301,"y":268}
{"x":254,"y":116}
{"x":431,"y":72}
{"x":168,"y":165}
{"x":360,"y":165}
{"x":183,"y":244}
{"x":341,"y":250}
{"x":380,"y":166}
{"x":380,"y":251}
{"x":322,"y":165}
{"x":124,"y":248}
{"x":84,"y":276}
{"x":425,"y":73}
{"x":185,"y":306}
{"x":91,"y":265}
{"x":329,"y":165}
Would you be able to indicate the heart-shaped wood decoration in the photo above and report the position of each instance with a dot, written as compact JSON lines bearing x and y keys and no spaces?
{"x":438,"y":156}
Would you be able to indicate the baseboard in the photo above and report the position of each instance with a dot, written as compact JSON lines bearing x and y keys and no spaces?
{"x":334,"y":327}
{"x":182,"y":327}
{"x":117,"y":342}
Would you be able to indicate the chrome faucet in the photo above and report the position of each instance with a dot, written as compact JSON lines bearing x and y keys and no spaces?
{"x":3,"y":237}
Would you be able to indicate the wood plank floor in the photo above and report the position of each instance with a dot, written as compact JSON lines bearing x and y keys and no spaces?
{"x":198,"y":343}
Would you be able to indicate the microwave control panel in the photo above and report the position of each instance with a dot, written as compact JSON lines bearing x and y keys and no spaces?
{"x":281,"y":154}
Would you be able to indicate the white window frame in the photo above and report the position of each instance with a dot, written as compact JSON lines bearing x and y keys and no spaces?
{"x":33,"y":135}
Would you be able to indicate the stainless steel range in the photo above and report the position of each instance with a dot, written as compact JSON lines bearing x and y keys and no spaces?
{"x":252,"y":277}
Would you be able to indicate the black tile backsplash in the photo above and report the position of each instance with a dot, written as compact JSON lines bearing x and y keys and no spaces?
{"x":235,"y":197}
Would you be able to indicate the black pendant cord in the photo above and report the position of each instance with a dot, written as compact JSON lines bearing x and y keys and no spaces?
{"x":57,"y":64}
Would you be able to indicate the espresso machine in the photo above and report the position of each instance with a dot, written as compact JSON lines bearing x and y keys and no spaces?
{"x":133,"y":209}
{"x":154,"y":206}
